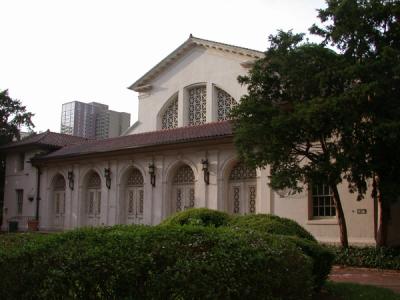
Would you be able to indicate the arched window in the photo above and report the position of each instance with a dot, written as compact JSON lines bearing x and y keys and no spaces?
{"x":183,"y":189}
{"x":242,"y":190}
{"x":225,"y":103}
{"x":197,"y":105}
{"x":240,"y":171}
{"x":93,"y":200}
{"x":170,"y":116}
{"x":133,"y":207}
{"x":58,"y":201}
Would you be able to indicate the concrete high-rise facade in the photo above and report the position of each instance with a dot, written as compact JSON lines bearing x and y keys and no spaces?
{"x":92,"y":120}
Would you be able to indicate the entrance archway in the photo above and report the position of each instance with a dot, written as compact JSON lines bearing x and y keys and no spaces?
{"x":183,"y":189}
{"x":58,"y":202}
{"x":134,"y":196}
{"x":93,"y":200}
{"x":242,"y":186}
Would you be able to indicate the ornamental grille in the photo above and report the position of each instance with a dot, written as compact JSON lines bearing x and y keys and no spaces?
{"x":59,"y":183}
{"x":236,"y":200}
{"x":135,"y":178}
{"x":240,"y":171}
{"x":178,"y":200}
{"x":191,"y":198}
{"x":94,"y":181}
{"x":184,"y":175}
{"x":225,"y":103}
{"x":170,"y":116}
{"x":252,"y":199}
{"x":197,"y":105}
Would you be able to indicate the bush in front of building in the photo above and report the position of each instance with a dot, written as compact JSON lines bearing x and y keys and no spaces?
{"x":322,"y":259}
{"x":368,"y":257}
{"x":198,"y":216}
{"x":321,"y":256}
{"x":164,"y":262}
{"x":270,"y":224}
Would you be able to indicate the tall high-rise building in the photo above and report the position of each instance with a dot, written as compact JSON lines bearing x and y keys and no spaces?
{"x":92,"y":120}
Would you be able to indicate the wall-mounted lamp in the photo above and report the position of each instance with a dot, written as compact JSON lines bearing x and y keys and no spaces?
{"x":204,"y":162}
{"x":71,"y":180}
{"x":152,"y":172}
{"x":107,"y":175}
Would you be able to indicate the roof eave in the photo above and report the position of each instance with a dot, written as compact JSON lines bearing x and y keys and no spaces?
{"x":83,"y":155}
{"x":143,"y":81}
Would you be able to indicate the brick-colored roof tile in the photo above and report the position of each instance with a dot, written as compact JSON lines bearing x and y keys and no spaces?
{"x":153,"y":138}
{"x":46,"y":139}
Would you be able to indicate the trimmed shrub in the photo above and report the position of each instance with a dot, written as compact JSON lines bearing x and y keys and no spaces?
{"x":137,"y":262}
{"x":322,"y":258}
{"x":270,"y":224}
{"x":368,"y":257}
{"x":198,"y":216}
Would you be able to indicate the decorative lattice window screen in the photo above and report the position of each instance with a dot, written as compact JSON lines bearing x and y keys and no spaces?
{"x":197,"y":105}
{"x":94,"y":181}
{"x":184,"y":175}
{"x":225,"y":103}
{"x":135,"y":178}
{"x":252,"y":199}
{"x":236,"y":200}
{"x":59,"y":183}
{"x":170,"y":116}
{"x":240,"y":171}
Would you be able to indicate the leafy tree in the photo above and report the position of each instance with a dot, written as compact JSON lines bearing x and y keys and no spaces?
{"x":291,"y":115}
{"x":13,"y":115}
{"x":367,"y":32}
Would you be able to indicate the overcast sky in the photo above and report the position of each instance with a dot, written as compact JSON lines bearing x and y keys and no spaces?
{"x":58,"y":51}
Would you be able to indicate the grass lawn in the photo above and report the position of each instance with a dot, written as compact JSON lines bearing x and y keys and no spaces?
{"x":352,"y":291}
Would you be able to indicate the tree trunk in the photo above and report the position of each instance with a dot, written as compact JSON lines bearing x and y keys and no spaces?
{"x":341,"y":219}
{"x":383,"y":218}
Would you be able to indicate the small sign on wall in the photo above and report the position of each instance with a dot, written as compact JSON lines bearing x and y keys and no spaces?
{"x":361,"y":211}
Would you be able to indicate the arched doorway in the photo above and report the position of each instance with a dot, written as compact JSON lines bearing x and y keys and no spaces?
{"x":182,"y":189}
{"x":93,"y":200}
{"x":58,"y":204}
{"x":133,"y":204}
{"x":242,"y":190}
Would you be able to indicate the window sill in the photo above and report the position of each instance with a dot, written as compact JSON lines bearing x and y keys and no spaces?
{"x":333,"y":221}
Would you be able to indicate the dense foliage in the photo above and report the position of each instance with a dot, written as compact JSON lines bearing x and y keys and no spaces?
{"x":198,"y":216}
{"x":267,"y":225}
{"x":270,"y":224}
{"x":322,"y":257}
{"x":367,"y":33}
{"x":164,"y":262}
{"x":368,"y":257}
{"x":291,"y":116}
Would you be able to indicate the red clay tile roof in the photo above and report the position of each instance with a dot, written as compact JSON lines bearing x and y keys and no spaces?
{"x":46,"y":139}
{"x":161,"y":137}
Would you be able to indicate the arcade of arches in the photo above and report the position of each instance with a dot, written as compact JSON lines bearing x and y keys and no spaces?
{"x":132,"y":203}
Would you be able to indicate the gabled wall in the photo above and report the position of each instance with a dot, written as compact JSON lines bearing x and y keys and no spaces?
{"x":198,"y":66}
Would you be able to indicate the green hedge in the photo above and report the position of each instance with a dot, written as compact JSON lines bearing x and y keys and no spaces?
{"x":322,"y":259}
{"x":270,"y":224}
{"x":137,"y":262}
{"x":368,"y":257}
{"x":198,"y":216}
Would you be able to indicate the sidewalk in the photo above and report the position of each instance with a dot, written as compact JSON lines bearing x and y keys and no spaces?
{"x":389,"y":279}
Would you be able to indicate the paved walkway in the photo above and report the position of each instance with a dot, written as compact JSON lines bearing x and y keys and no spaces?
{"x":384,"y":278}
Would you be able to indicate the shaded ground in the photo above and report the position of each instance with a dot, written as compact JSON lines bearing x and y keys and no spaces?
{"x":389,"y":279}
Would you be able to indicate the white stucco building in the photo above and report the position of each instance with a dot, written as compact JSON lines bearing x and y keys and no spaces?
{"x":179,"y":154}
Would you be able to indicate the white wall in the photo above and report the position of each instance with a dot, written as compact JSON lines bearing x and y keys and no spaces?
{"x":198,"y":65}
{"x":19,"y":179}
